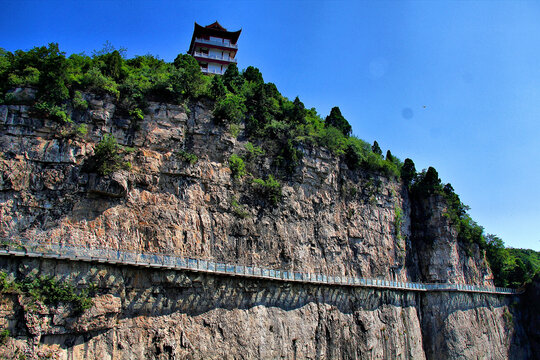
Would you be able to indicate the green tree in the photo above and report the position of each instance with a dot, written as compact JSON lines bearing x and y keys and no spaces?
{"x":229,"y":109}
{"x":252,"y":74}
{"x":389,"y":156}
{"x":408,"y":172}
{"x":297,"y":115}
{"x":188,"y":80}
{"x":52,"y":81}
{"x":217,"y":88}
{"x":263,"y":106}
{"x":337,"y":120}
{"x":113,"y":65}
{"x":232,"y":79}
{"x":353,"y":156}
{"x":431,"y":181}
{"x":376,"y":148}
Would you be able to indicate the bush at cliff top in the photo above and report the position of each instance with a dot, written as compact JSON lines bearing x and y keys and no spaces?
{"x":229,"y":109}
{"x":133,"y":82}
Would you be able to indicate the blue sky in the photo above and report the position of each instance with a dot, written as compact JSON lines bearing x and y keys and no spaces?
{"x":449,"y":84}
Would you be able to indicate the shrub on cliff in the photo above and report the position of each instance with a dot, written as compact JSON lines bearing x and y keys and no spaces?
{"x":289,"y":157}
{"x":107,"y":158}
{"x":49,"y":291}
{"x":237,"y":166}
{"x":270,"y":189}
{"x":50,"y":111}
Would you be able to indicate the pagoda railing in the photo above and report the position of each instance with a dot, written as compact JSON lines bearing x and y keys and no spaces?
{"x":24,"y":248}
{"x":216,"y":42}
{"x":216,"y":57}
{"x":212,"y":71}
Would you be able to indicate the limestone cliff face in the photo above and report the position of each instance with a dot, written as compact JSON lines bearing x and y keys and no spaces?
{"x":329,"y":219}
{"x":443,"y":259}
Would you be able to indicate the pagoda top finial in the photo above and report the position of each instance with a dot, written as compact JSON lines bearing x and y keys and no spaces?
{"x":216,"y":25}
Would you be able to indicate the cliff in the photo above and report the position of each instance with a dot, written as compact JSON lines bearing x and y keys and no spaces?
{"x":329,"y":219}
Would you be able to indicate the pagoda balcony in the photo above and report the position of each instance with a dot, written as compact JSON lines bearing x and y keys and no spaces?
{"x":217,"y":43}
{"x":212,"y":71}
{"x":214,"y":57}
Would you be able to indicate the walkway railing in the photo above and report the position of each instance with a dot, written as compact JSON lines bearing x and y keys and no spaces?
{"x":154,"y":260}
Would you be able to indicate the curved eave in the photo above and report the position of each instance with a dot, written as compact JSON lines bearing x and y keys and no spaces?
{"x":200,"y":31}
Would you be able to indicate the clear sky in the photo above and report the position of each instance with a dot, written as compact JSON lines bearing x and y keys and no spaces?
{"x":449,"y":84}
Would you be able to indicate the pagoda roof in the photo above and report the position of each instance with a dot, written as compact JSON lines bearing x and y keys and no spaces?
{"x":217,"y":30}
{"x":216,"y":26}
{"x":214,"y":29}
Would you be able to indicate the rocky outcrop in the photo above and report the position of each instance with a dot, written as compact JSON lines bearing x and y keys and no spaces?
{"x":443,"y":259}
{"x":329,"y":219}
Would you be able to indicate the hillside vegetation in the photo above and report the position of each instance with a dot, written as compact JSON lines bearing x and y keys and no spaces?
{"x":273,"y":125}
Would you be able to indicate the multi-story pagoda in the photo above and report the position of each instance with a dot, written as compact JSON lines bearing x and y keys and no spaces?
{"x":214,"y":47}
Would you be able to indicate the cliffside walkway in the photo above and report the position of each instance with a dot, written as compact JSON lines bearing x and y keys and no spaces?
{"x":161,"y":261}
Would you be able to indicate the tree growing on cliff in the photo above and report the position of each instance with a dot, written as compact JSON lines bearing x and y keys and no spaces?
{"x":229,"y":109}
{"x":252,"y":74}
{"x":187,"y":80}
{"x":217,"y":88}
{"x":408,"y":171}
{"x":113,"y":65}
{"x":297,"y":113}
{"x":232,"y":79}
{"x":337,"y":120}
{"x":376,"y":148}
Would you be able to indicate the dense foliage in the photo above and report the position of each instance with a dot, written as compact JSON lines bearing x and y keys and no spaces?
{"x":512,"y":267}
{"x":107,"y":157}
{"x":48,"y":290}
{"x":274,"y":125}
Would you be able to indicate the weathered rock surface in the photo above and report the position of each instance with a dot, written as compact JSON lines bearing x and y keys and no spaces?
{"x":530,"y":315}
{"x":330,"y":220}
